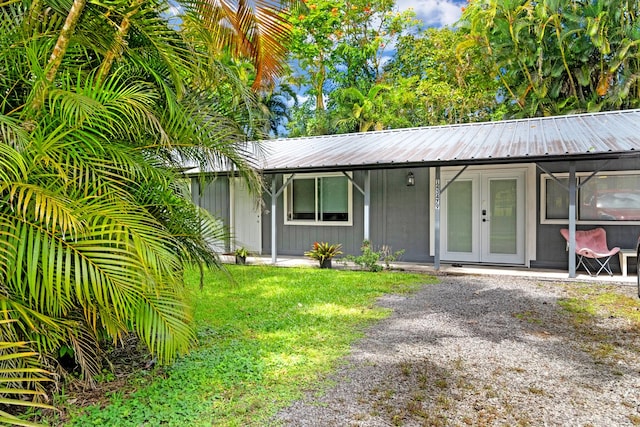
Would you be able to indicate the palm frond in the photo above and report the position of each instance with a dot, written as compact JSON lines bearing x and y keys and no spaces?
{"x":254,"y":30}
{"x":19,"y":376}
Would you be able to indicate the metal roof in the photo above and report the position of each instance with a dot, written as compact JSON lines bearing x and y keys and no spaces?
{"x":578,"y":136}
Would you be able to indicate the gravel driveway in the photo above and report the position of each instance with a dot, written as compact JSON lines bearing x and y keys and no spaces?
{"x":483,"y":350}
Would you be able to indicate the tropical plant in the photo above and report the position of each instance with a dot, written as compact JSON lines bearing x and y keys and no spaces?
{"x":434,"y":83}
{"x":560,"y":56}
{"x":323,"y":251}
{"x":101,"y":107}
{"x":20,"y":376}
{"x":241,"y":255}
{"x":242,"y":252}
{"x":357,"y":112}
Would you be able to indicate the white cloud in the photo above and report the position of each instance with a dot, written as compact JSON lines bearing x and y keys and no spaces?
{"x":434,"y":13}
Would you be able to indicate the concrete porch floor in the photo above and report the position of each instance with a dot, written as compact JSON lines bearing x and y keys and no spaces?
{"x":448,"y":269}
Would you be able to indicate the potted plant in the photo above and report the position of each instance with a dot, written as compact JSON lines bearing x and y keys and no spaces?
{"x":241,"y":254}
{"x":324,"y":252}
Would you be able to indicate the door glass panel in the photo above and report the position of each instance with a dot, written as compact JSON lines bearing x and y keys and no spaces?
{"x":459,"y":216}
{"x":504,"y":219}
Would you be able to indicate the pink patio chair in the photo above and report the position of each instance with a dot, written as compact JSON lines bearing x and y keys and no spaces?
{"x":592,"y":250}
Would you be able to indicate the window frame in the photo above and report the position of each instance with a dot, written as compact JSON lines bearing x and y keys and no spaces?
{"x":316,"y":222}
{"x":543,"y":199}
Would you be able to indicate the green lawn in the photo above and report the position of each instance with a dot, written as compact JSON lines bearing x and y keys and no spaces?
{"x":263,"y":340}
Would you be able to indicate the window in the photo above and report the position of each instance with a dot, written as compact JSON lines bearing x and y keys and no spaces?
{"x":609,"y":196}
{"x":321,"y":199}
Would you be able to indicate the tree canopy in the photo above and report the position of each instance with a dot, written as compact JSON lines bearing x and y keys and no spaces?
{"x":502,"y":59}
{"x":559,"y":56}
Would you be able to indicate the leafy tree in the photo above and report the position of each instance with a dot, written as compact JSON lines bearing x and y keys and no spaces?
{"x":360,"y":112}
{"x":560,"y":56}
{"x":437,"y":84}
{"x":338,"y":45}
{"x":101,"y":106}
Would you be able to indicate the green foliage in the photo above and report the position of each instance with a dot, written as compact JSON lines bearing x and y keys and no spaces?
{"x":322,"y":251}
{"x":356,"y":112}
{"x":557,"y":57}
{"x":101,"y":107}
{"x":241,"y":252}
{"x":435,"y":83}
{"x":262,"y":340}
{"x":370,"y":259}
{"x":339,"y":46}
{"x":21,"y":381}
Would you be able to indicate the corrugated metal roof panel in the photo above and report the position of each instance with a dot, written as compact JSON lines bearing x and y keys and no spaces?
{"x":589,"y":135}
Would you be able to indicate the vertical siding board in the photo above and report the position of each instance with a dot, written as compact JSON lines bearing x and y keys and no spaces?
{"x":213,"y":196}
{"x":401,"y":210}
{"x":401,"y":218}
{"x":377,"y":200}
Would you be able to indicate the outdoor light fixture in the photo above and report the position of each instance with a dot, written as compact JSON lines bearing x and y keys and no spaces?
{"x":411,"y":180}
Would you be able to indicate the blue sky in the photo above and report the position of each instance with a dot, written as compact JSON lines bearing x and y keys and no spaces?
{"x":434,"y":13}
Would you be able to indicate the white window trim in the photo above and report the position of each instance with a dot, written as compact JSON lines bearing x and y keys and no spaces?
{"x":543,"y":198}
{"x":348,"y":223}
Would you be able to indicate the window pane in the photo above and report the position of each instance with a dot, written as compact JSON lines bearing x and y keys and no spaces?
{"x":611,"y":198}
{"x":303,"y":195}
{"x":333,"y":198}
{"x":459,"y":216}
{"x":503,"y":235}
{"x":557,"y":203}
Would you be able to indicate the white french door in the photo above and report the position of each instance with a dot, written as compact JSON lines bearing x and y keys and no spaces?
{"x":483,"y":215}
{"x":246,"y":222}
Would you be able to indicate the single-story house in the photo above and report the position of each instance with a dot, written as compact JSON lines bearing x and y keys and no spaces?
{"x":486,"y":193}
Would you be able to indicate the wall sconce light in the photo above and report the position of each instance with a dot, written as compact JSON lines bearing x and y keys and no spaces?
{"x":411,"y":180}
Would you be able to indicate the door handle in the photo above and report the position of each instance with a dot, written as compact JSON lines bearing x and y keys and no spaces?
{"x":484,"y":211}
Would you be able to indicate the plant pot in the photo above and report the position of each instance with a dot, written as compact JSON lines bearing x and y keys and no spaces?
{"x":325,"y":263}
{"x":242,"y":260}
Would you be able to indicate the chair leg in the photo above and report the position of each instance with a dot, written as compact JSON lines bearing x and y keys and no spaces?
{"x":583,"y":262}
{"x":595,"y":265}
{"x":604,"y":265}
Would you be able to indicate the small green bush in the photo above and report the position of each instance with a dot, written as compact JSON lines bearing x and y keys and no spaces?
{"x":370,"y":259}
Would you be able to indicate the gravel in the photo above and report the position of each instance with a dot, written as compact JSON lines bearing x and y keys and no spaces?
{"x":482,"y":350}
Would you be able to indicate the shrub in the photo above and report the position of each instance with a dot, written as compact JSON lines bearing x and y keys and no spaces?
{"x":370,"y":259}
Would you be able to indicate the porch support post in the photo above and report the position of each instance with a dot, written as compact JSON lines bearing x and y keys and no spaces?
{"x":274,"y":199}
{"x":367,"y":205}
{"x":572,"y":219}
{"x":232,"y":209}
{"x":436,"y":259}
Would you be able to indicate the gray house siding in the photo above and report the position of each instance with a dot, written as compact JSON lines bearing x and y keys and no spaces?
{"x":400,"y":214}
{"x":551,"y":245}
{"x":399,"y":218}
{"x":213,"y":196}
{"x":296,"y":239}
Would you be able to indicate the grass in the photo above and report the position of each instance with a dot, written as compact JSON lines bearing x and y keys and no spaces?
{"x":588,"y":304}
{"x":262,"y":340}
{"x":587,"y":301}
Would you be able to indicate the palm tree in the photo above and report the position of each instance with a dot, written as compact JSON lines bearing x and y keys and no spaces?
{"x":558,"y":57}
{"x":360,"y":112}
{"x":101,"y":106}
